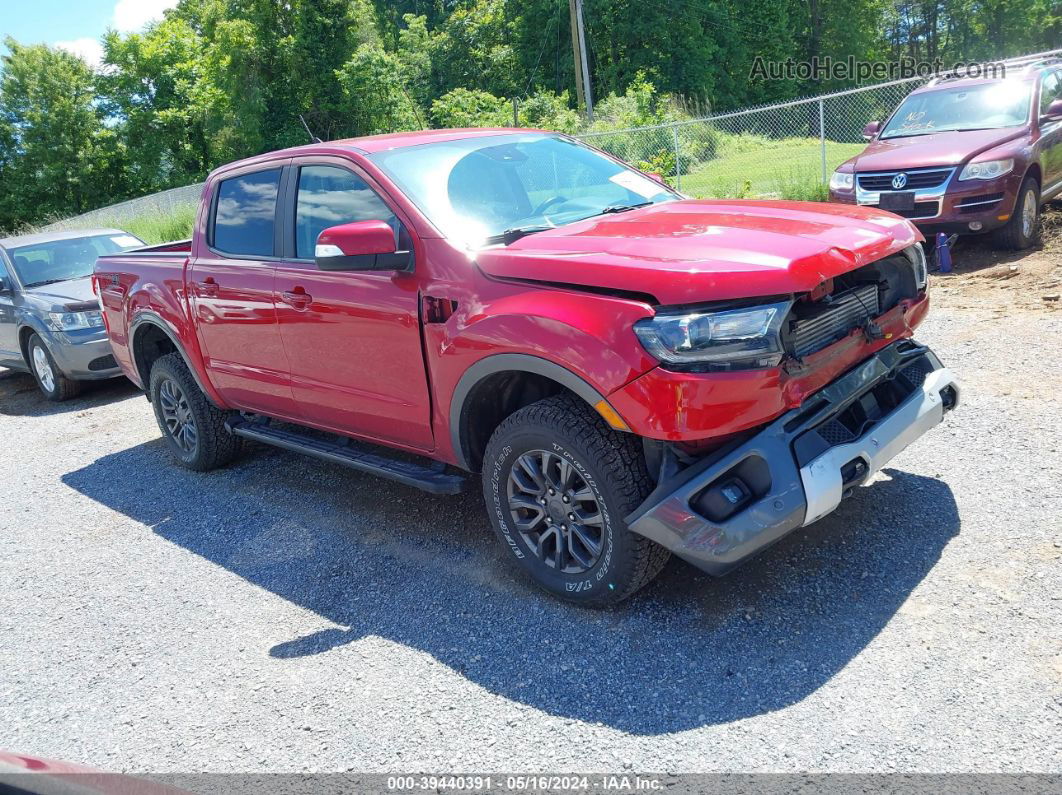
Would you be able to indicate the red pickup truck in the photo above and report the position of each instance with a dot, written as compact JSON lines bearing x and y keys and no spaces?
{"x":632,"y":372}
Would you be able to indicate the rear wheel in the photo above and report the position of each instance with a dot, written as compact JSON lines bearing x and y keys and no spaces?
{"x":193,"y":427}
{"x":1023,"y":228}
{"x":558,"y":484}
{"x":50,"y":378}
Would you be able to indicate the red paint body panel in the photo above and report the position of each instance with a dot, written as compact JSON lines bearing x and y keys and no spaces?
{"x":358,"y":353}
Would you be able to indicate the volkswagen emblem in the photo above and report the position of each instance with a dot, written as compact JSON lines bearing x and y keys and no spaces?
{"x":899,"y":181}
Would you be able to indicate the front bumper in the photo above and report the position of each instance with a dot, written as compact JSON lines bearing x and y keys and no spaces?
{"x":953,"y":206}
{"x":84,"y":355}
{"x":798,"y":468}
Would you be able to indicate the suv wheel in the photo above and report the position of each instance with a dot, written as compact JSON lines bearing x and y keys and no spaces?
{"x":558,"y":484}
{"x":50,"y":378}
{"x":193,"y":427}
{"x":1023,"y":228}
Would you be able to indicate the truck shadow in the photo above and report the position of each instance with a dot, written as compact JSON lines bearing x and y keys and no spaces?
{"x":20,"y":396}
{"x":376,"y":558}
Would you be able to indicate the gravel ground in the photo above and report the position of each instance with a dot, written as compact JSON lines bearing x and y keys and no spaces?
{"x":288,"y":615}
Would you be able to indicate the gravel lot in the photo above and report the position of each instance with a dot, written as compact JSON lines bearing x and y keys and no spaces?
{"x":288,"y":615}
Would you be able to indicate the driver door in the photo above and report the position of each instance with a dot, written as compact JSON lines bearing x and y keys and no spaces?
{"x":352,"y":337}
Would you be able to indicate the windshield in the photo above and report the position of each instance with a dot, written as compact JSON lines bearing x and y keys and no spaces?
{"x":62,"y":260}
{"x":478,"y":189}
{"x":988,"y":106}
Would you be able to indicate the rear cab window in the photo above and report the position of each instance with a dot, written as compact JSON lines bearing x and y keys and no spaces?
{"x":244,"y":217}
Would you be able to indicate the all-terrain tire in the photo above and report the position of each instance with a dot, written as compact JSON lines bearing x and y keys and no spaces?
{"x":1020,"y":232}
{"x":55,"y":386}
{"x":177,"y":400}
{"x":607,"y":464}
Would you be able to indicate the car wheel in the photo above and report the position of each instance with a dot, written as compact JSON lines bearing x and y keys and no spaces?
{"x":1023,"y":228}
{"x":558,"y":484}
{"x":193,"y":427}
{"x":50,"y":378}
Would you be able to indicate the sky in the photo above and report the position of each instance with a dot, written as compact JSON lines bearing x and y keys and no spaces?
{"x":75,"y":25}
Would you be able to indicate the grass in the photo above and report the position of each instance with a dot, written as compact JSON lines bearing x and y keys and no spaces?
{"x":161,"y":227}
{"x":751,"y":166}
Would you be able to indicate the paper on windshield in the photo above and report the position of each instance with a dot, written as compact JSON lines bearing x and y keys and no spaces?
{"x":643,"y":186}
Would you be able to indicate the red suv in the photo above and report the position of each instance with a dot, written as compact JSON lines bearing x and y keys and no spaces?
{"x":965,"y":155}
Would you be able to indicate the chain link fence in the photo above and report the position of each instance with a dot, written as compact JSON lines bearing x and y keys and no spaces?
{"x":159,"y":204}
{"x":784,"y":150}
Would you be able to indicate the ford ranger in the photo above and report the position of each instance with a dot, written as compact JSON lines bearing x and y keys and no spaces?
{"x":631,"y":373}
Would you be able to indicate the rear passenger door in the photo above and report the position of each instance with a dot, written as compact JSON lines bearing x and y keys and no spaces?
{"x":230,"y":285}
{"x":352,"y":337}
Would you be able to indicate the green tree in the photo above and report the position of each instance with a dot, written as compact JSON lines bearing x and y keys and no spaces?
{"x":465,"y":107}
{"x":376,"y":99}
{"x":149,"y":86}
{"x":60,"y":158}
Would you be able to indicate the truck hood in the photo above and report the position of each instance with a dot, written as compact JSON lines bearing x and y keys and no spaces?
{"x":689,"y":251}
{"x":941,"y":149}
{"x":61,"y":295}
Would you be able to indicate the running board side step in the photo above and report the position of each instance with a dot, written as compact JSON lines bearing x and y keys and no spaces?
{"x":426,"y":478}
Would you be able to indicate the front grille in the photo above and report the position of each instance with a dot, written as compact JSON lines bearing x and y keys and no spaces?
{"x":916,"y":180}
{"x":863,"y":412}
{"x":823,"y":323}
{"x":103,"y":363}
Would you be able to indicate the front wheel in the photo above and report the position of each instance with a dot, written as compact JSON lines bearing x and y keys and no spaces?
{"x":558,"y":484}
{"x":1023,"y":228}
{"x":50,"y":378}
{"x":193,"y":427}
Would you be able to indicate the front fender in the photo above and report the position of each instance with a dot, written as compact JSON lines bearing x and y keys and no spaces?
{"x":583,"y":341}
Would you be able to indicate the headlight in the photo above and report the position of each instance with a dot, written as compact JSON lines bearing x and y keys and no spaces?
{"x":917,"y":255}
{"x":842,"y":180}
{"x":987,"y":169}
{"x":72,"y":321}
{"x":728,"y":340}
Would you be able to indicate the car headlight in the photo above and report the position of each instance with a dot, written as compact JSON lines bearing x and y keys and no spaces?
{"x":917,"y":255}
{"x":727,"y":340}
{"x":842,"y":180}
{"x":72,"y":321}
{"x":987,"y":169}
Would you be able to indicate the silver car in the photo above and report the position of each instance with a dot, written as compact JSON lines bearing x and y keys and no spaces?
{"x":50,"y":320}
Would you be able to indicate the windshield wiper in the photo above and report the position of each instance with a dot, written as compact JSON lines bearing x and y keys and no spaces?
{"x":622,"y":208}
{"x":513,"y":234}
{"x":45,"y":283}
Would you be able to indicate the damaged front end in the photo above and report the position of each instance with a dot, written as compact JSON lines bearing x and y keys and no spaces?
{"x":734,"y":502}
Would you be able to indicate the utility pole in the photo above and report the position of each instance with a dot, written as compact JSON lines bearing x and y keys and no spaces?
{"x":582,"y":73}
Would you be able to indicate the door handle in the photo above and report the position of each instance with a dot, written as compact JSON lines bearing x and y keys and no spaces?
{"x":208,"y":287}
{"x":297,"y":298}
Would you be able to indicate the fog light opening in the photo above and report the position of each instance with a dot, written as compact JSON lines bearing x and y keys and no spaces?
{"x":949,"y":397}
{"x":854,"y":473}
{"x":975,"y":226}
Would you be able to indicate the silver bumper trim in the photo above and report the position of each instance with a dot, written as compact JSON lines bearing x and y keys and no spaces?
{"x":823,"y":487}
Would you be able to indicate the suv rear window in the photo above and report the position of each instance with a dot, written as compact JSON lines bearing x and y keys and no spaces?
{"x":245,"y":214}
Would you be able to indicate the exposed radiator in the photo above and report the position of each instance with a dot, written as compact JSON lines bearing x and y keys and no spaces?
{"x":823,"y":323}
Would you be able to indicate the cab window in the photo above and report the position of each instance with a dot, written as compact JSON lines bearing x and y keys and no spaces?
{"x":245,"y":214}
{"x":329,"y":196}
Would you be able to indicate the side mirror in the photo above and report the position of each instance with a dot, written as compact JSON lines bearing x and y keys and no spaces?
{"x":1054,"y":111}
{"x":871,"y":131}
{"x":360,"y":246}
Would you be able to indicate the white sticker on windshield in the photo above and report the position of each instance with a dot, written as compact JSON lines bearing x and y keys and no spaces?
{"x":643,"y":186}
{"x":126,"y":241}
